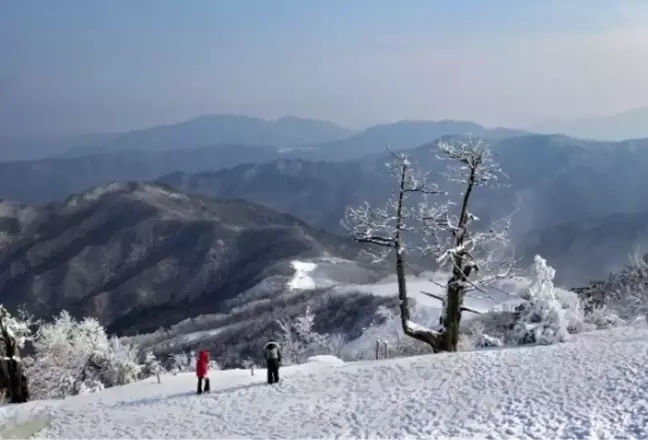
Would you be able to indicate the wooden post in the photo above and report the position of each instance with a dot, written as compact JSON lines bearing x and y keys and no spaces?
{"x":377,"y":349}
{"x":252,"y":369}
{"x":385,"y":350}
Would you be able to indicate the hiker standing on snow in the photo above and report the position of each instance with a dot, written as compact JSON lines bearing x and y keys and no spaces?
{"x":202,"y":368}
{"x":273,"y":360}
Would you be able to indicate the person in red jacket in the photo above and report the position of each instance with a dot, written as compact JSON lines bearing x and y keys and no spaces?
{"x":202,"y":368}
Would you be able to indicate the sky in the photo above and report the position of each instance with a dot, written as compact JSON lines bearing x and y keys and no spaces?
{"x":79,"y":66}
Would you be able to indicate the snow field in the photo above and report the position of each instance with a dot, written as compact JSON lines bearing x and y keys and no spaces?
{"x":594,"y":386}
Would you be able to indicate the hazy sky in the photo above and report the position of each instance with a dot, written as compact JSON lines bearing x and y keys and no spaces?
{"x":87,"y":66}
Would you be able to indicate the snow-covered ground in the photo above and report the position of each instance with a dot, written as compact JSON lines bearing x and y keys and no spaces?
{"x":595,"y":386}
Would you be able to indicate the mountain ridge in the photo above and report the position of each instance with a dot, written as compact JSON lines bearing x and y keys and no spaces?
{"x":140,"y":255}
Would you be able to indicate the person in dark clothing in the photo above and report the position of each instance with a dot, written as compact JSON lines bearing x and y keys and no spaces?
{"x":272,"y":356}
{"x":202,"y":369}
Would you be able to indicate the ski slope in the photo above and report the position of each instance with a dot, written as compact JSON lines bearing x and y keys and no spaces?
{"x":595,"y":386}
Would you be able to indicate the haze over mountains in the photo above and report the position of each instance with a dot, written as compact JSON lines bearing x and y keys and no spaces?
{"x":313,"y":170}
{"x":630,"y":124}
{"x":239,"y":199}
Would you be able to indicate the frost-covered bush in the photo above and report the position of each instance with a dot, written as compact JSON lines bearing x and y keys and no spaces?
{"x":546,"y":314}
{"x":542,"y":318}
{"x":299,"y":341}
{"x":74,"y":357}
{"x":213,"y":365}
{"x":183,"y":362}
{"x":151,"y":366}
{"x":626,"y":292}
{"x":476,"y":337}
{"x":601,"y":317}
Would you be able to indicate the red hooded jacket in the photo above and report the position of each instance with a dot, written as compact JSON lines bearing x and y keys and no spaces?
{"x":202,"y":365}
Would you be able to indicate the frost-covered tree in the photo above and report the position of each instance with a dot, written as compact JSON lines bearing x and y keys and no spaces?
{"x":74,"y":357}
{"x":299,"y":341}
{"x":478,"y":338}
{"x":250,"y":365}
{"x":213,"y":365}
{"x":542,"y":319}
{"x":474,"y":258}
{"x":385,"y":229}
{"x":183,"y":362}
{"x":152,"y":366}
{"x":14,"y":332}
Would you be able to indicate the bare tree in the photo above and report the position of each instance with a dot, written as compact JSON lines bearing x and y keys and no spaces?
{"x":385,"y":228}
{"x":464,"y":251}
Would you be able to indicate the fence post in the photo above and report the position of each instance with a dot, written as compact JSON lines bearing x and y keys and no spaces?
{"x":377,"y":349}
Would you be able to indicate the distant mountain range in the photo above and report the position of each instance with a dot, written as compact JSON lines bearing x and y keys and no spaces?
{"x":402,"y":135}
{"x":325,"y":140}
{"x":211,"y":130}
{"x":15,"y":147}
{"x":554,"y":180}
{"x":139,"y":256}
{"x":149,"y":154}
{"x":590,"y":248}
{"x":54,"y":179}
{"x":631,"y":124}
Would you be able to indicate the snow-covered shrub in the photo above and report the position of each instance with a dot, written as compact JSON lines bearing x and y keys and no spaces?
{"x":626,"y":292}
{"x":120,"y":364}
{"x":183,"y":362}
{"x":601,"y":317}
{"x":497,"y":324}
{"x":213,"y":365}
{"x":249,"y":364}
{"x":299,"y":341}
{"x":542,"y":318}
{"x":74,"y":357}
{"x":476,"y":337}
{"x":152,"y":366}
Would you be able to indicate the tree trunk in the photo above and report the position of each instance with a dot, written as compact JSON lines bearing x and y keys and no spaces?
{"x":423,"y":336}
{"x":454,"y":303}
{"x":457,"y":284}
{"x":12,"y":379}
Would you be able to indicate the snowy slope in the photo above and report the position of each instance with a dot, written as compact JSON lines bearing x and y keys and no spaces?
{"x":595,"y":385}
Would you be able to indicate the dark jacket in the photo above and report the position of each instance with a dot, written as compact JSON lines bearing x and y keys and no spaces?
{"x":272,"y":352}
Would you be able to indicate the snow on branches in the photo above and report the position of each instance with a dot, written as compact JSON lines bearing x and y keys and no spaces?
{"x":458,"y":246}
{"x":74,"y":357}
{"x":626,"y":291}
{"x":542,"y":318}
{"x":299,"y":341}
{"x":384,"y":226}
{"x":14,"y":332}
{"x":450,"y":237}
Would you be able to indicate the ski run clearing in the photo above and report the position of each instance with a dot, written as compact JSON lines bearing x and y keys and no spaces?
{"x":594,"y":386}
